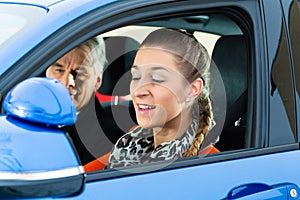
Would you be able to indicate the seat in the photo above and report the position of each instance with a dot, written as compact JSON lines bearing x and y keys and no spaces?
{"x":120,"y":52}
{"x":229,"y":61}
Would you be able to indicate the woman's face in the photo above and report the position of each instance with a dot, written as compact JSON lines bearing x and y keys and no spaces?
{"x":158,"y":89}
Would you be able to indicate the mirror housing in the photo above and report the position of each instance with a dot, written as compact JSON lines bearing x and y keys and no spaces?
{"x":37,"y":159}
{"x":41,"y":100}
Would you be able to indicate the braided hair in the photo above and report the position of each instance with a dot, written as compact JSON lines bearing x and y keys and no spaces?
{"x":193,"y":61}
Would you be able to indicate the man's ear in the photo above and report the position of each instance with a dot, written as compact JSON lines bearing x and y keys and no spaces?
{"x":99,"y":81}
{"x":196,"y":86}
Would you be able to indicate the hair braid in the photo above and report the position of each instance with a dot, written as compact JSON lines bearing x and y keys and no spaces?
{"x":205,"y":117}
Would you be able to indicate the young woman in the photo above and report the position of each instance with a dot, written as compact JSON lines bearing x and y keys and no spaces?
{"x":170,"y":92}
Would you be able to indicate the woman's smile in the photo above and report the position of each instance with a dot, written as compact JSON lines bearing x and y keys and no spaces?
{"x":145,"y":108}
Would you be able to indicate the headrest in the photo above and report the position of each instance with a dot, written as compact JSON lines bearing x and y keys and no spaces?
{"x":228,"y":82}
{"x":120,"y":51}
{"x":230,"y":57}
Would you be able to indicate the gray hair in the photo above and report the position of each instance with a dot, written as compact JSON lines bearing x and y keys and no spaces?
{"x":97,"y":47}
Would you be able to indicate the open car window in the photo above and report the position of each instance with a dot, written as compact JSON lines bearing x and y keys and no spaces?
{"x":228,"y":47}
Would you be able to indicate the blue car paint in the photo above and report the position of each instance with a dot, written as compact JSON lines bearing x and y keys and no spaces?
{"x":26,"y":4}
{"x":264,"y":191}
{"x":210,"y":181}
{"x":29,"y":147}
{"x":44,"y":3}
{"x":51,"y":105}
{"x":55,"y":18}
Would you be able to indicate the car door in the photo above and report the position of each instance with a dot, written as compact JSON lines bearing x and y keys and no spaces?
{"x":259,"y":149}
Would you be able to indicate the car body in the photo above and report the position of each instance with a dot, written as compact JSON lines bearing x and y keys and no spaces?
{"x":256,"y":95}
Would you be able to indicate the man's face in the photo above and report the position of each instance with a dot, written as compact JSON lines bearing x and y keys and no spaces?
{"x":75,"y":70}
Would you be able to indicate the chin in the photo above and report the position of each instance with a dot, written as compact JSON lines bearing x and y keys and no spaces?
{"x":148,"y":125}
{"x":145,"y":125}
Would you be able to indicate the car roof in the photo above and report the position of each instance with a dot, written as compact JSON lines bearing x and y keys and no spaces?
{"x":44,"y":3}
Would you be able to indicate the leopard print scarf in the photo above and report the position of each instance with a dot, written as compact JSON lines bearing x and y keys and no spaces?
{"x":137,"y":147}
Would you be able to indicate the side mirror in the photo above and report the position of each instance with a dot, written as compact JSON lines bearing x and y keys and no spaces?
{"x":37,"y":158}
{"x":42,"y":100}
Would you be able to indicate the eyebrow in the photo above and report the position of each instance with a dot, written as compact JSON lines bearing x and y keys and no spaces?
{"x":159,"y":68}
{"x":154,"y":68}
{"x":57,"y":64}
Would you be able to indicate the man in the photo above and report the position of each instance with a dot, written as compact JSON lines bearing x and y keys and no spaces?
{"x":80,"y":70}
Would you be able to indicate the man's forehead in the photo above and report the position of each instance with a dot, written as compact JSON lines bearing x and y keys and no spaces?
{"x":75,"y":58}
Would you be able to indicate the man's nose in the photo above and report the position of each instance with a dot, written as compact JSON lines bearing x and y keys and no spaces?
{"x":71,"y":81}
{"x":71,"y":84}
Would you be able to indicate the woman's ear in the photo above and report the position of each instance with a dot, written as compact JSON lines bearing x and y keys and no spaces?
{"x":196,"y":86}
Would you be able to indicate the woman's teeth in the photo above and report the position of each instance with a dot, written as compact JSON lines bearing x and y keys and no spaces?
{"x":146,"y":107}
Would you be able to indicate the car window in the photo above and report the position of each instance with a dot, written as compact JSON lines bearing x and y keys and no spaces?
{"x":114,"y":113}
{"x":294,"y":32}
{"x":15,"y":19}
{"x":227,"y":46}
{"x":282,"y":93}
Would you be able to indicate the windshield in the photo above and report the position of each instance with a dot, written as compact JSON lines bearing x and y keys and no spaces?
{"x":15,"y":18}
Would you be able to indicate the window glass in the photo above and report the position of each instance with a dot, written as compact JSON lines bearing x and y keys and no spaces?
{"x":15,"y":18}
{"x":294,"y":31}
{"x":282,"y":98}
{"x":14,"y":21}
{"x":282,"y":104}
{"x":11,"y":27}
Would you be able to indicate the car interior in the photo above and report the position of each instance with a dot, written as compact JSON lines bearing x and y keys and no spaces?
{"x":229,"y":65}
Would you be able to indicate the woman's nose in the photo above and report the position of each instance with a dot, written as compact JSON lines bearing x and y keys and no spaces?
{"x":140,"y":90}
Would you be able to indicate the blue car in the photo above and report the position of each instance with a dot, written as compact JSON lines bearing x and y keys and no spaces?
{"x":255,"y":67}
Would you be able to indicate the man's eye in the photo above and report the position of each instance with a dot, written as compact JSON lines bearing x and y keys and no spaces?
{"x":82,"y":74}
{"x":59,"y":70}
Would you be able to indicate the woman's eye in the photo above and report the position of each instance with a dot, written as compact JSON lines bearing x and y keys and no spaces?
{"x":136,"y":77}
{"x":158,"y":78}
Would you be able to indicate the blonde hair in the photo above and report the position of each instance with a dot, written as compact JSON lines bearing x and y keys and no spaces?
{"x":194,"y":62}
